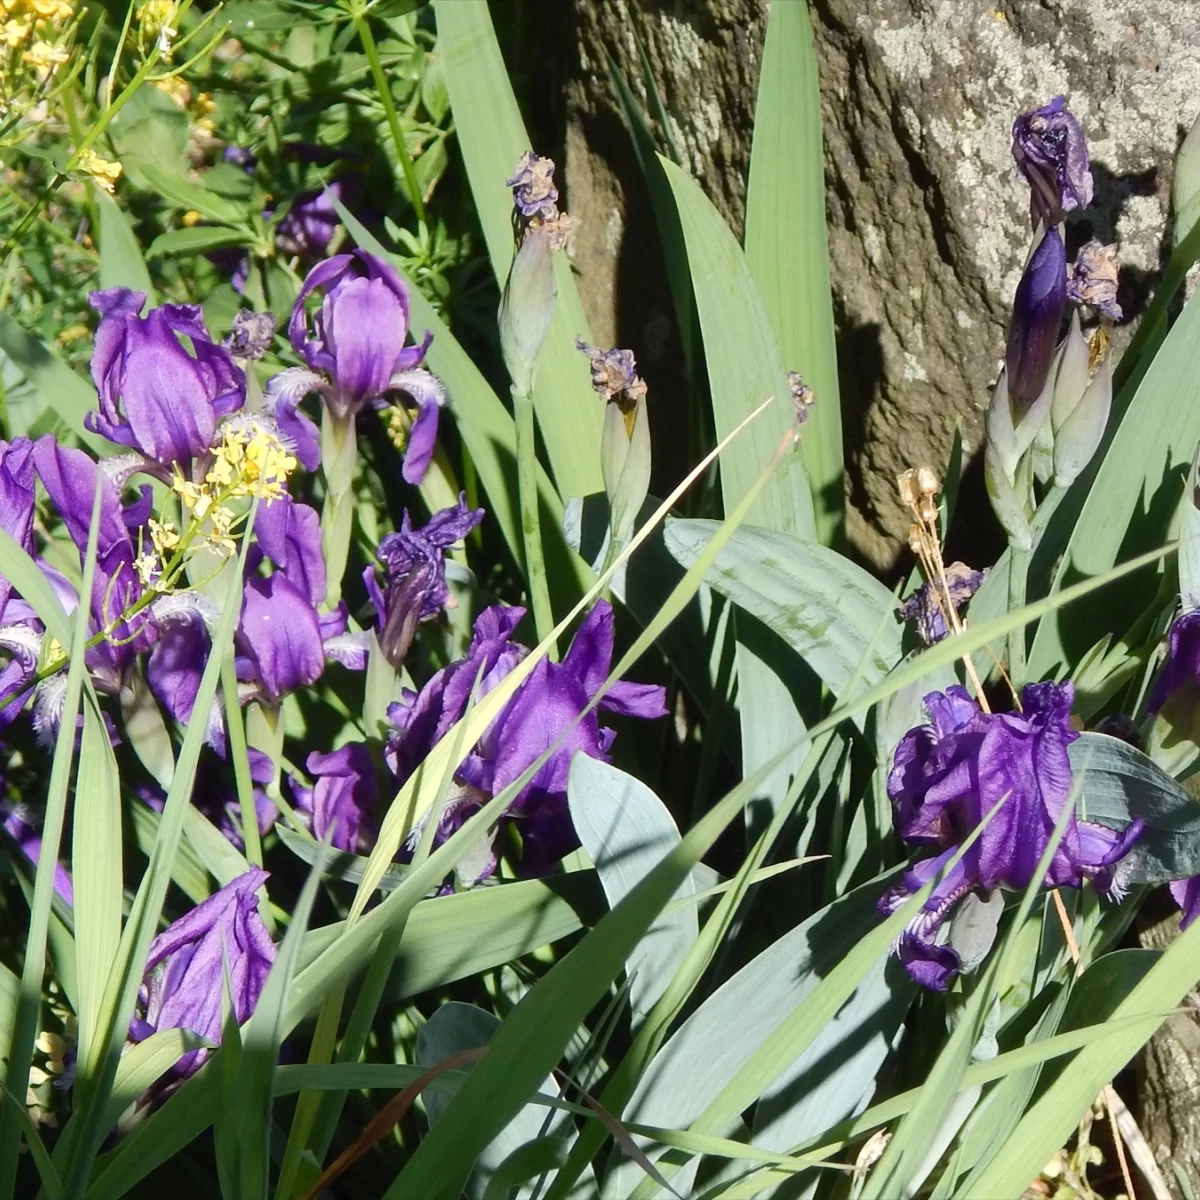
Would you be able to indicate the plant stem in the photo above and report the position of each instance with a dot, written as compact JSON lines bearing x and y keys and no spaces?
{"x":531,"y":527}
{"x":1018,"y":575}
{"x":363,"y":29}
{"x":339,"y":457}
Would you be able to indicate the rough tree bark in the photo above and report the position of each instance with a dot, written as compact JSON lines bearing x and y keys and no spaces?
{"x":927,"y":224}
{"x":927,"y":217}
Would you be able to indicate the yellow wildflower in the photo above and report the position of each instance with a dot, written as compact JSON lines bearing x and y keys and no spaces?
{"x":51,"y":10}
{"x":73,"y":333}
{"x":13,"y":33}
{"x":177,"y":88}
{"x":45,"y":56}
{"x":103,"y":172}
{"x":189,"y":218}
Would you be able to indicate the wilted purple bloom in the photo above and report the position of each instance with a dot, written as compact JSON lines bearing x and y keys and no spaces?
{"x":239,"y":156}
{"x":185,"y":981}
{"x":251,"y":334}
{"x":1186,"y":893}
{"x":1037,"y":316}
{"x":947,"y":778}
{"x":614,"y":373}
{"x":18,"y":822}
{"x":1094,"y":277}
{"x":925,"y":606}
{"x":1051,"y":152}
{"x":154,"y":396}
{"x":1183,"y":660}
{"x":414,"y":568}
{"x":479,"y":862}
{"x":542,"y":711}
{"x":354,"y":347}
{"x":309,"y":225}
{"x":534,"y":193}
{"x":803,"y":400}
{"x":344,"y":797}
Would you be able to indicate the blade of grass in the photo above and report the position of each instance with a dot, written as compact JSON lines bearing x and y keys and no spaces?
{"x":786,"y":246}
{"x":25,"y":1023}
{"x":96,"y":869}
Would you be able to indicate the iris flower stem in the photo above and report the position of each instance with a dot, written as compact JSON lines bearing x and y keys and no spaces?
{"x":363,"y":29}
{"x":1018,"y":576}
{"x":339,"y":458}
{"x":531,"y":526}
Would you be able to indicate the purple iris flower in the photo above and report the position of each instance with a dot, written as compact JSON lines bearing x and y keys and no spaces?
{"x":356,"y":353}
{"x":947,"y":777}
{"x":539,"y":714}
{"x":19,"y":823}
{"x":155,"y":397}
{"x":414,"y":568}
{"x":184,"y":984}
{"x":1183,"y":660}
{"x":344,"y":797}
{"x":1186,"y":893}
{"x":925,"y":606}
{"x":1051,"y":152}
{"x":69,"y":477}
{"x":1038,"y":309}
{"x":16,"y":499}
{"x":309,"y":225}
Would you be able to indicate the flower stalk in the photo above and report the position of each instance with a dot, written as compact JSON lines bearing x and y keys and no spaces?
{"x":531,"y":522}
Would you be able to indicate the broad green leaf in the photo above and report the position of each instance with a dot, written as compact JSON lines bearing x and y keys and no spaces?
{"x":698,"y":1060}
{"x":827,"y":608}
{"x":173,"y":186}
{"x":786,"y":246}
{"x":146,"y":1062}
{"x":745,"y":364}
{"x":1185,"y":185}
{"x":532,"y":1038}
{"x":197,"y":240}
{"x":1118,"y":783}
{"x":1133,"y":495}
{"x":627,"y":831}
{"x":121,"y":261}
{"x":492,"y":137}
{"x":745,"y":368}
{"x":455,"y":1027}
{"x":70,"y":396}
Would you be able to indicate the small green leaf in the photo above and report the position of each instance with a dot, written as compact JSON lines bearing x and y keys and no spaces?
{"x":121,"y":261}
{"x":197,"y":240}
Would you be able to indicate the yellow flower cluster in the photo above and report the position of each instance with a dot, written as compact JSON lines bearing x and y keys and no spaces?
{"x":103,"y":172}
{"x":36,"y":39}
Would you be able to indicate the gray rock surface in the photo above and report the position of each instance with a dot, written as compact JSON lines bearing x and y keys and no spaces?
{"x":927,"y":219}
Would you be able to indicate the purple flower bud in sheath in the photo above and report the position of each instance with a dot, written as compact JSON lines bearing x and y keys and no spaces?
{"x":414,"y":566}
{"x":1037,"y":317}
{"x":154,"y":396}
{"x":184,"y":984}
{"x":948,"y":777}
{"x":1051,"y":152}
